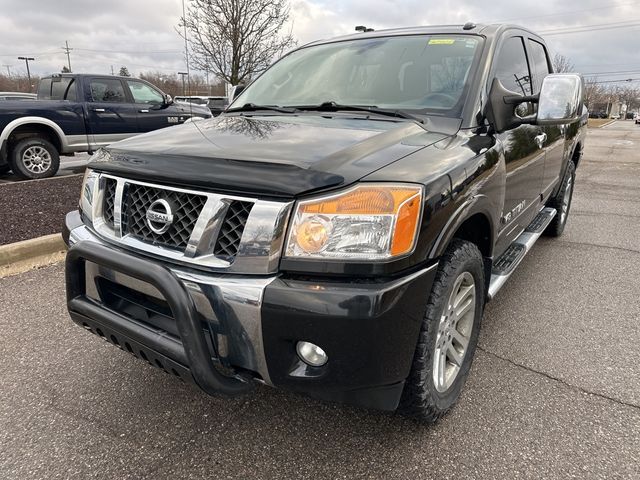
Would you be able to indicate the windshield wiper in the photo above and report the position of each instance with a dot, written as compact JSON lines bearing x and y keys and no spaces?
{"x":252,"y":107}
{"x":332,"y":106}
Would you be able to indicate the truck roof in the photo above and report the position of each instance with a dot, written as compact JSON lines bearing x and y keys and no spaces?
{"x":80,"y":75}
{"x":489,"y":30}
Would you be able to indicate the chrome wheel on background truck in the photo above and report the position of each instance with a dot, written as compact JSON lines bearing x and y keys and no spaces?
{"x":34,"y":158}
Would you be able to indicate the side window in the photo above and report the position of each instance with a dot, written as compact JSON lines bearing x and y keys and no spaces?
{"x":540,"y":62}
{"x":59,"y":87}
{"x":44,"y":89}
{"x":71,"y":93}
{"x":143,"y":93}
{"x":107,"y":90}
{"x":512,"y":68}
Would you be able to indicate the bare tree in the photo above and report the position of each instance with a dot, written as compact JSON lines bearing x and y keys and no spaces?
{"x":236,"y":39}
{"x":630,"y":97}
{"x":17,"y":82}
{"x":562,"y":64}
{"x":594,"y":92}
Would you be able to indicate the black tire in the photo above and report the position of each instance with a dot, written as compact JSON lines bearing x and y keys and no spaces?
{"x":27,"y":147}
{"x":556,"y":227}
{"x":421,"y":398}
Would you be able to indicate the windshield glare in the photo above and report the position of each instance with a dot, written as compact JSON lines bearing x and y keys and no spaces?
{"x":426,"y":73}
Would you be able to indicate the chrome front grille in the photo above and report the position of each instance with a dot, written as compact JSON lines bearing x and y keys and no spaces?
{"x":222,"y":232}
{"x":232,"y":228}
{"x":109,"y":200}
{"x":186,"y":210}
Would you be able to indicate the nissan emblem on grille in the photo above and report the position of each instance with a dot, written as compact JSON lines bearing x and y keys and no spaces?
{"x":159,"y":216}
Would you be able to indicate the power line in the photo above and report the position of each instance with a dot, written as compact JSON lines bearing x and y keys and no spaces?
{"x":626,"y":80}
{"x":564,"y":13}
{"x":129,"y":51}
{"x":39,"y":54}
{"x":619,"y":72}
{"x":589,"y":28}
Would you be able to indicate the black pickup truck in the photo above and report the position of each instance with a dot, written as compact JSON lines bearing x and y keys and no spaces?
{"x":340,"y":228}
{"x":80,"y":113}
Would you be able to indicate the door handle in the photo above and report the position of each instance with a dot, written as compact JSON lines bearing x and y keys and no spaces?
{"x":144,"y":110}
{"x":540,"y":140}
{"x":99,"y":110}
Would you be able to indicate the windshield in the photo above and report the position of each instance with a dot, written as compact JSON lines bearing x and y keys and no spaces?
{"x":425,"y":73}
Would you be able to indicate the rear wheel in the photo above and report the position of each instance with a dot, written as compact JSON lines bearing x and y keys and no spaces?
{"x":562,"y":203}
{"x":448,"y":336}
{"x":33,"y":158}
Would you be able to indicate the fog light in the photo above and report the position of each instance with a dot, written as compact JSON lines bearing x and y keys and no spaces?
{"x":311,"y":354}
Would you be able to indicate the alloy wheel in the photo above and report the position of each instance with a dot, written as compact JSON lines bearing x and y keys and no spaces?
{"x":454,"y":332}
{"x":36,"y":159}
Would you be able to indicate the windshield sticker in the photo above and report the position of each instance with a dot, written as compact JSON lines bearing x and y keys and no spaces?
{"x":442,"y":41}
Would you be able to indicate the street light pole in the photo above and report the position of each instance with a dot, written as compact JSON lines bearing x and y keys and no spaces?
{"x":26,"y":60}
{"x":183,"y":74}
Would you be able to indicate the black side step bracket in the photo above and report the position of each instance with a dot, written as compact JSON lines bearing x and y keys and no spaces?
{"x":506,"y":263}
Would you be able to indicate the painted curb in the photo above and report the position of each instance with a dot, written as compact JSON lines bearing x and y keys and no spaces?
{"x":38,"y":252}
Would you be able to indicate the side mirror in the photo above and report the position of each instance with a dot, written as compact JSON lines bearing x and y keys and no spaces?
{"x":502,"y":105}
{"x":167,"y":99}
{"x":560,"y":99}
{"x":236,"y":90}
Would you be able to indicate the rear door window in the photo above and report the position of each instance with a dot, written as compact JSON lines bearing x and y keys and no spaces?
{"x":540,"y":61}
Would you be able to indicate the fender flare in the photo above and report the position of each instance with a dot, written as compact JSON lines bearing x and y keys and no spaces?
{"x":18,"y":122}
{"x":478,"y":204}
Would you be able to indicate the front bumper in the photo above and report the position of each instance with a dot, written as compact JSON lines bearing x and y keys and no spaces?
{"x":225,"y":331}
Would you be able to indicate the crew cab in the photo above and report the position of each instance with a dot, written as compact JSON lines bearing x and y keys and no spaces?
{"x":338,"y":230}
{"x":80,"y":113}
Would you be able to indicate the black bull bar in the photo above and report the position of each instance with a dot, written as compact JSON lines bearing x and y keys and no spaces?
{"x":192,"y":352}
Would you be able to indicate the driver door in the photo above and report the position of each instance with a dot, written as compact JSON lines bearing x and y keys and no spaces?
{"x":524,"y":158}
{"x":152,"y":111}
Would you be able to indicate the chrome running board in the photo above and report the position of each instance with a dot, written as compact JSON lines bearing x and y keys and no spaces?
{"x":506,"y":264}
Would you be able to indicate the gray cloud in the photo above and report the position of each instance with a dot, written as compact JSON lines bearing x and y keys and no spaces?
{"x":141,"y":34}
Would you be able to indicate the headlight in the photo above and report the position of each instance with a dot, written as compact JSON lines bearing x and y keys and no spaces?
{"x":370,"y":221}
{"x":88,"y":193}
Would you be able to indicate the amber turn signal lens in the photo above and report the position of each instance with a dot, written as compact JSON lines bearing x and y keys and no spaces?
{"x":378,"y":200}
{"x":406,"y":224}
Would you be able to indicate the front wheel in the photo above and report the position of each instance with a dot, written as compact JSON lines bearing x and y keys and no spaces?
{"x":33,"y":158}
{"x":448,"y":336}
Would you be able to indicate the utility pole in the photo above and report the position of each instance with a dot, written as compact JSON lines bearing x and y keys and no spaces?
{"x":67,"y":50}
{"x":112,"y":70}
{"x":183,"y":74}
{"x":8,"y":69}
{"x":26,"y":60}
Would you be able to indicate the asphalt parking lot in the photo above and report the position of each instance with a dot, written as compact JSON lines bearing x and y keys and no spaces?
{"x":554,"y":391}
{"x":68,"y":166}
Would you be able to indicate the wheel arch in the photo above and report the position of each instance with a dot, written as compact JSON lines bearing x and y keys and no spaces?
{"x":472,"y":221}
{"x":26,"y":126}
{"x":576,"y":156}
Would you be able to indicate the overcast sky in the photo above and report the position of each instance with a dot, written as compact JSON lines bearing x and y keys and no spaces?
{"x":141,"y":33}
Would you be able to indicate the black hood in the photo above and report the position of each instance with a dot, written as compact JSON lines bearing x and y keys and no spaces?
{"x":267,"y":155}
